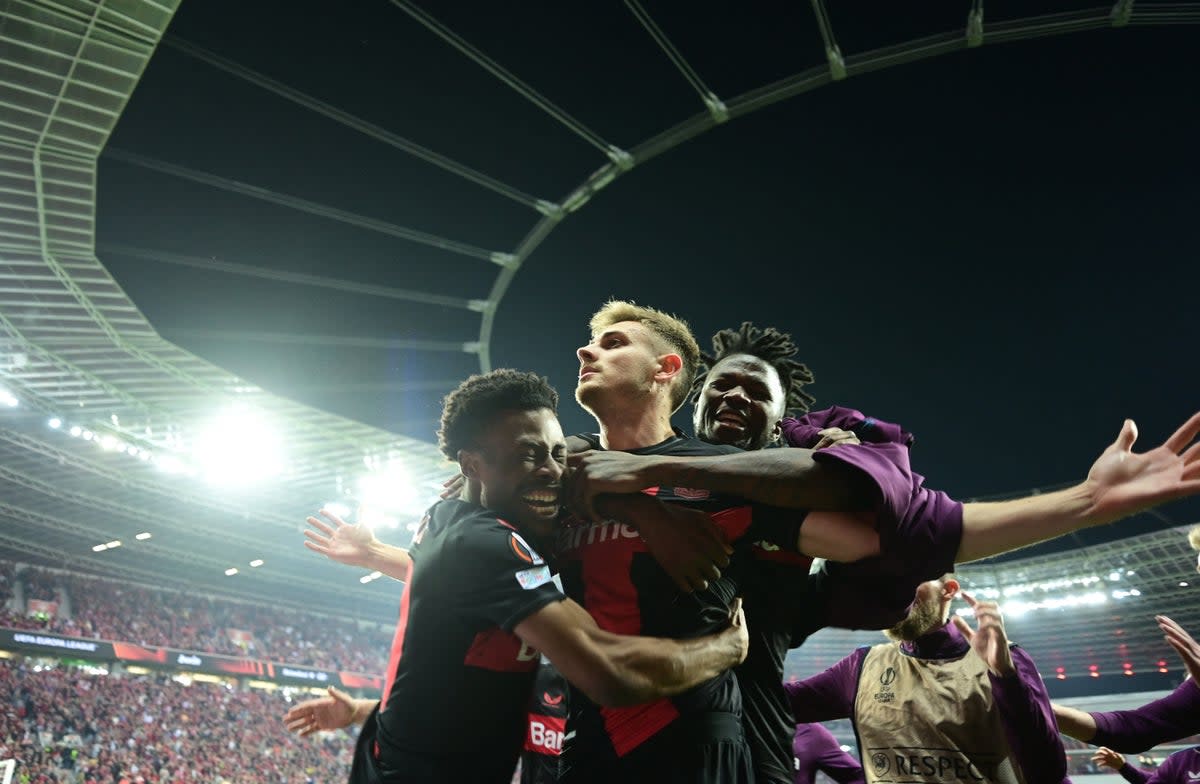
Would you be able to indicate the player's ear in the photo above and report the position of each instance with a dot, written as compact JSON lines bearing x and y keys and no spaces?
{"x":669,"y":366}
{"x":950,"y":587}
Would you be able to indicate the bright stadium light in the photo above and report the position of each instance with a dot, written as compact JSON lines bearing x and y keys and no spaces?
{"x":237,"y":447}
{"x":337,"y":508}
{"x":54,"y":423}
{"x":8,"y":399}
{"x":143,"y":536}
{"x":387,"y":495}
{"x":231,"y":571}
{"x":257,"y":562}
{"x":99,"y":548}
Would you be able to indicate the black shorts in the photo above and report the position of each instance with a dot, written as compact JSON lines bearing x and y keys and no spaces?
{"x":705,"y":749}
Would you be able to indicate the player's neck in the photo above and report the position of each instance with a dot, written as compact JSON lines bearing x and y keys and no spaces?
{"x":634,"y":429}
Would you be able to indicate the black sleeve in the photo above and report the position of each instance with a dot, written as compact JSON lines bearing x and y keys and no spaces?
{"x":504,"y":580}
{"x":779,"y":526}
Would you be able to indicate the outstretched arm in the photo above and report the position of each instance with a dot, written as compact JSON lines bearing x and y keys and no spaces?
{"x":616,"y":670}
{"x":1132,"y":731}
{"x":332,"y":712}
{"x":355,"y":545}
{"x":1120,"y":483}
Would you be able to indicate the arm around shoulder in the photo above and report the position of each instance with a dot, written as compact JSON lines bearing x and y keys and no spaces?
{"x":617,"y":670}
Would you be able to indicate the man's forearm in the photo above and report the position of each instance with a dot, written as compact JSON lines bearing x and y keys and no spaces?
{"x":657,"y":667}
{"x":788,"y":478}
{"x":1074,"y":723}
{"x":390,"y":560}
{"x":997,"y":527}
{"x":362,"y":709}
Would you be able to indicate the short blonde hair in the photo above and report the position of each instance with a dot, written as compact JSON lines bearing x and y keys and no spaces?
{"x":1194,"y":537}
{"x":673,"y":331}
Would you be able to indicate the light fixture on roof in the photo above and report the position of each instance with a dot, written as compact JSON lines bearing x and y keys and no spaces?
{"x":114,"y":544}
{"x":257,"y":562}
{"x":99,"y":548}
{"x":386,"y":495}
{"x":238,"y":447}
{"x":54,"y":423}
{"x":76,"y":431}
{"x":337,"y":508}
{"x":143,"y":536}
{"x":231,"y":571}
{"x":7,"y":398}
{"x":366,"y":578}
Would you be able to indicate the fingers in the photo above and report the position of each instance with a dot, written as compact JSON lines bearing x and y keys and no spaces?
{"x":1127,"y":436}
{"x":965,"y":628}
{"x":737,"y":616}
{"x":968,"y":598}
{"x":332,"y":517}
{"x":320,"y":525}
{"x":1184,"y":435}
{"x":1165,"y":623}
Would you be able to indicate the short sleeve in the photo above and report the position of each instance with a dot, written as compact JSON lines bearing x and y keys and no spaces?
{"x":503,"y":579}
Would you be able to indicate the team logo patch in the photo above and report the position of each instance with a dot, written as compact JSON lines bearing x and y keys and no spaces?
{"x":888,"y":677}
{"x":694,"y":494}
{"x":523,"y":551}
{"x":532,"y":578}
{"x":549,"y":700}
{"x":881,"y":763}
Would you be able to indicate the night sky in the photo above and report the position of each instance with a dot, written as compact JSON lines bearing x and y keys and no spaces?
{"x":997,"y":248}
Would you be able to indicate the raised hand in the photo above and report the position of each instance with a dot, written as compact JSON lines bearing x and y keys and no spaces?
{"x":340,"y":541}
{"x":835,"y":436}
{"x":323,"y":713}
{"x":1121,"y":482}
{"x":1107,"y":758}
{"x":686,"y":543}
{"x":452,"y":487}
{"x":1187,"y":648}
{"x":989,"y":641}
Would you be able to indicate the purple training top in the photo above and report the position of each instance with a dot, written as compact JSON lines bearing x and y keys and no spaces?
{"x":817,"y":750}
{"x":1133,"y":731}
{"x":1182,"y":767}
{"x":1021,"y":700}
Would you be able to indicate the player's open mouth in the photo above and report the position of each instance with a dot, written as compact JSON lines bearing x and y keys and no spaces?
{"x":542,"y":501}
{"x":731,"y":419}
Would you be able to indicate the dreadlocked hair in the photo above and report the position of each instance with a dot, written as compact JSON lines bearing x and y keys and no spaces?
{"x":771,"y":346}
{"x":470,"y":408}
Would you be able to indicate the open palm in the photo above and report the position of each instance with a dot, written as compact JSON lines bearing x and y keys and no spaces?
{"x":1122,"y":482}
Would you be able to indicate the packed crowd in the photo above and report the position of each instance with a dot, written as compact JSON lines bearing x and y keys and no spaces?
{"x":66,"y":726}
{"x":108,"y":610}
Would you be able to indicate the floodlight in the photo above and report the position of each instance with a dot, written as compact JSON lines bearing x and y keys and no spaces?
{"x":143,"y":536}
{"x":237,"y":447}
{"x":257,"y":562}
{"x":231,"y":571}
{"x":7,"y":398}
{"x":54,"y":423}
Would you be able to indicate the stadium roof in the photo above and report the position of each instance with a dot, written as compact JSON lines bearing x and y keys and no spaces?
{"x":79,"y":363}
{"x":114,"y":431}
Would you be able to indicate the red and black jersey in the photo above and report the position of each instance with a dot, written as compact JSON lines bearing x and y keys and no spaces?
{"x":607,"y":568}
{"x":458,"y":678}
{"x":546,"y":727}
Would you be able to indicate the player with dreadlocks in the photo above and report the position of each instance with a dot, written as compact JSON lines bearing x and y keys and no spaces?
{"x":746,"y":388}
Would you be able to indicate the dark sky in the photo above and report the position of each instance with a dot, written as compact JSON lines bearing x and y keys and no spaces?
{"x":997,"y":248}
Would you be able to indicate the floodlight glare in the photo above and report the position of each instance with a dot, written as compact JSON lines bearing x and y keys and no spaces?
{"x":257,"y":562}
{"x":237,"y":447}
{"x":337,"y":508}
{"x":99,"y":548}
{"x":231,"y":571}
{"x":76,"y":431}
{"x":54,"y":422}
{"x":386,"y":495}
{"x":7,"y":398}
{"x":143,"y":536}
